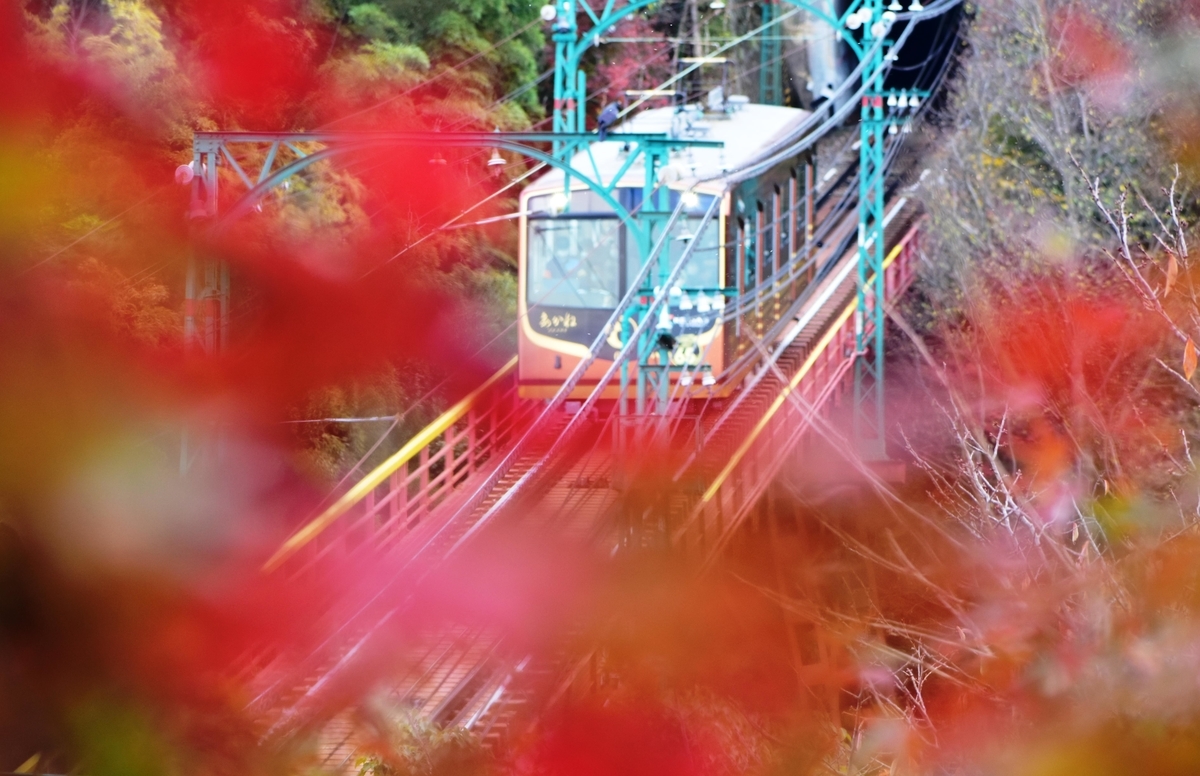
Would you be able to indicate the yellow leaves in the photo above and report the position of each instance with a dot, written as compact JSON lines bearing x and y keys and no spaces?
{"x":1189,"y":359}
{"x":1172,"y":274}
{"x":134,"y":48}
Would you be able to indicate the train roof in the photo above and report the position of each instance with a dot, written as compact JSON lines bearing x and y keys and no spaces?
{"x":747,"y":130}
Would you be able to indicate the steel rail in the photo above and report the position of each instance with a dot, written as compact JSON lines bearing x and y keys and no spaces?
{"x":807,"y":366}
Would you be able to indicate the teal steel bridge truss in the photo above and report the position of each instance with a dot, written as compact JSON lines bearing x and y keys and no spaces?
{"x":242,"y":152}
{"x":861,"y":27}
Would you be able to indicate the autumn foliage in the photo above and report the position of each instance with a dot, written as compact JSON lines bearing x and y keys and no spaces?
{"x":1025,"y":602}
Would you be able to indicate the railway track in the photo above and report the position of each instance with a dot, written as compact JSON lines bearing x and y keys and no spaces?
{"x":467,"y":677}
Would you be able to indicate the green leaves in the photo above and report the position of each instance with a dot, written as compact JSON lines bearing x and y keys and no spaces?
{"x":450,"y":32}
{"x":373,"y":23}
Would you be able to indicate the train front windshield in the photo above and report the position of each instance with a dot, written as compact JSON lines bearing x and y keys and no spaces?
{"x":574,"y":262}
{"x":580,"y":262}
{"x":584,"y":257}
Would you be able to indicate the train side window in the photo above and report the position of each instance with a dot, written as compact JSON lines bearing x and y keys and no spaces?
{"x":632,"y":256}
{"x":702,"y":269}
{"x":751,"y":255}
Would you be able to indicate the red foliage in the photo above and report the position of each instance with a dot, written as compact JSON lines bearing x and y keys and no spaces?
{"x":629,"y":737}
{"x":258,"y":59}
{"x":634,"y":65}
{"x":1088,"y":55}
{"x":1062,"y":358}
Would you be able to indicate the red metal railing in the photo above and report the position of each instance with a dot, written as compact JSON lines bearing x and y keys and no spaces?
{"x":735,"y":490}
{"x":398,"y":496}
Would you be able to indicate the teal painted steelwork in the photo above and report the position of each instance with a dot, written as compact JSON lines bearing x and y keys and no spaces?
{"x":569,"y":138}
{"x":770,"y":68}
{"x":867,"y":15}
{"x":652,"y":148}
{"x":869,"y":429}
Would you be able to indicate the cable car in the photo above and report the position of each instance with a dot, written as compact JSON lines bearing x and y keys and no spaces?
{"x":577,"y":257}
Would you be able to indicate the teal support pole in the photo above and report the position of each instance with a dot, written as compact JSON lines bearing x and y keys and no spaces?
{"x":647,"y":220}
{"x":581,"y":103}
{"x":770,"y":68}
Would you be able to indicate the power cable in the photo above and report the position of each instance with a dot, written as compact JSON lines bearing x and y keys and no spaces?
{"x":811,"y":138}
{"x":94,"y":230}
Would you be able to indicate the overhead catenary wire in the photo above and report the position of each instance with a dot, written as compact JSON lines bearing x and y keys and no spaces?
{"x":811,"y":138}
{"x":772,"y":357}
{"x":782,"y":346}
{"x":820,"y":131}
{"x":561,"y":437}
{"x":95,"y":229}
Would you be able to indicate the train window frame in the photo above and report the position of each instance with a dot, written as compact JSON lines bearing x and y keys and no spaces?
{"x":537,"y":264}
{"x":586,"y":205}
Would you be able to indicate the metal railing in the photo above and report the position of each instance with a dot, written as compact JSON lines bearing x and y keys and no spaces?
{"x":711,"y":519}
{"x":394,"y":498}
{"x":735,"y":490}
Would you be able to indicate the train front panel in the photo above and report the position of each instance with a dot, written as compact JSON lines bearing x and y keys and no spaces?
{"x":578,"y":259}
